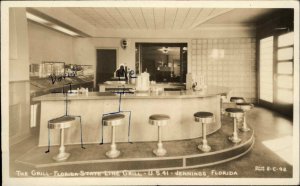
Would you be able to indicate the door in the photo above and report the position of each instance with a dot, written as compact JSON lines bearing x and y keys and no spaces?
{"x":276,"y":72}
{"x":106,"y":65}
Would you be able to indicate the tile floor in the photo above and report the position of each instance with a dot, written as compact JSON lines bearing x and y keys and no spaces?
{"x":262,"y":161}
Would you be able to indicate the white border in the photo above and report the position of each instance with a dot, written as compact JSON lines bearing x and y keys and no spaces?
{"x":170,"y":181}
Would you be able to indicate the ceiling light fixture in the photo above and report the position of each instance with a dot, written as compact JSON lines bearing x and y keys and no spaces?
{"x":45,"y":22}
{"x":164,"y":50}
{"x":64,"y":30}
{"x":35,"y":18}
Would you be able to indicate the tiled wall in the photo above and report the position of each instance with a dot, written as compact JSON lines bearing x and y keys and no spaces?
{"x":227,"y":62}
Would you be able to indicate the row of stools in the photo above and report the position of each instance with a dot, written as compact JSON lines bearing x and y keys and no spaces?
{"x":159,"y":120}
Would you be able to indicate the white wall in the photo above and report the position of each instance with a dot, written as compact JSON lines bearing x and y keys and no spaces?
{"x":48,"y":45}
{"x":19,"y":92}
{"x":85,"y":48}
{"x":18,"y":45}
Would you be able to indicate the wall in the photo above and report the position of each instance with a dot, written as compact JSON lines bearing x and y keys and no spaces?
{"x":227,"y":62}
{"x":18,"y":45}
{"x":237,"y":69}
{"x":19,"y":92}
{"x":48,"y":45}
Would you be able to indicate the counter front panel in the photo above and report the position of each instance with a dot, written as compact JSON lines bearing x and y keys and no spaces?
{"x":180,"y":106}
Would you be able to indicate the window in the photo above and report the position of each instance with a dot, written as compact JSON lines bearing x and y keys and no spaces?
{"x":165,"y":62}
{"x":279,"y":69}
{"x":266,"y":69}
{"x":285,"y":56}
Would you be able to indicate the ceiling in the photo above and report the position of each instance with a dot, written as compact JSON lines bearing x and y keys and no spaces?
{"x":242,"y":16}
{"x":147,"y":22}
{"x":165,"y":18}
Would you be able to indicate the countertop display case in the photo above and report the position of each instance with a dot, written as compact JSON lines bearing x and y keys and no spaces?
{"x":49,"y":77}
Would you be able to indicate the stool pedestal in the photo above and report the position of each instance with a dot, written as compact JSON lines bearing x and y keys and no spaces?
{"x":113,"y":120}
{"x":159,"y":120}
{"x":204,"y":118}
{"x":62,"y":155}
{"x":113,"y":153}
{"x":160,"y":151}
{"x":234,"y":138}
{"x":61,"y":123}
{"x":244,"y":127}
{"x":236,"y":114}
{"x":245,"y":107}
{"x":223,"y":98}
{"x":204,"y":146}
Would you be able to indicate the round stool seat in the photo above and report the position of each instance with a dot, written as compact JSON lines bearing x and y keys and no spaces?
{"x":61,"y":123}
{"x":245,"y":106}
{"x":204,"y":117}
{"x":159,"y":119}
{"x":235,"y":112}
{"x":237,"y":99}
{"x":113,"y":119}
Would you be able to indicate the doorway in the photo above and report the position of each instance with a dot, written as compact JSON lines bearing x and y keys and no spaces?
{"x":106,"y":65}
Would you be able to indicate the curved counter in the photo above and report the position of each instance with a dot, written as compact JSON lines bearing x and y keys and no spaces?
{"x":179,"y":105}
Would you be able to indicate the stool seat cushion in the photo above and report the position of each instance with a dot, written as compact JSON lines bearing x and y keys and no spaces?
{"x":204,"y":117}
{"x":237,"y":99}
{"x":159,"y":117}
{"x":204,"y":114}
{"x":61,"y":122}
{"x":113,"y":119}
{"x":234,"y":110}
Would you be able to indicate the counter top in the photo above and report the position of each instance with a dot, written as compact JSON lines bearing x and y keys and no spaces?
{"x":210,"y":91}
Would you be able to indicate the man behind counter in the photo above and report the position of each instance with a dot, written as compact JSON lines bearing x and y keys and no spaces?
{"x":121,"y":73}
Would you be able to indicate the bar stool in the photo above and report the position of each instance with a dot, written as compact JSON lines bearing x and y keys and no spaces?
{"x":245,"y":107}
{"x":61,"y":123}
{"x":223,"y":97}
{"x":237,"y":100}
{"x":204,"y":118}
{"x":159,"y":120}
{"x":113,"y":120}
{"x":237,"y":114}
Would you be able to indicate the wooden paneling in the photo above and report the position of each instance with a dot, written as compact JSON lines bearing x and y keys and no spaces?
{"x":147,"y":17}
{"x":19,"y":111}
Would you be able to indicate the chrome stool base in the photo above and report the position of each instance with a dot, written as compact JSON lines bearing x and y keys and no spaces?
{"x":113,"y":153}
{"x":244,"y":129}
{"x":204,"y":148}
{"x":160,"y":151}
{"x":234,"y":139}
{"x":62,"y":156}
